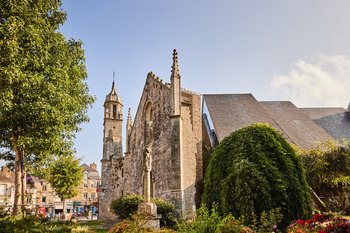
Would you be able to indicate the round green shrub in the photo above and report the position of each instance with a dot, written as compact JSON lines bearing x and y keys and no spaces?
{"x":126,"y":206}
{"x":255,"y":170}
{"x":167,"y":210}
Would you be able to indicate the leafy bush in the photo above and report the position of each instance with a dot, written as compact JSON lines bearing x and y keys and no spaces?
{"x":167,"y":210}
{"x":206,"y":221}
{"x":33,"y":224}
{"x":327,"y":168}
{"x":126,"y":206}
{"x":255,"y":170}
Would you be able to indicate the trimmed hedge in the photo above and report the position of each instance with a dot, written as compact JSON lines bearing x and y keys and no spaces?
{"x":126,"y":206}
{"x":255,"y":170}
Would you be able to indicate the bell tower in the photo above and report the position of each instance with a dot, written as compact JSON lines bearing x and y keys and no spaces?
{"x":113,"y":120}
{"x":112,"y":150}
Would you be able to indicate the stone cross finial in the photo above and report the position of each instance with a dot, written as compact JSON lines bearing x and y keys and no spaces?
{"x":147,"y":166}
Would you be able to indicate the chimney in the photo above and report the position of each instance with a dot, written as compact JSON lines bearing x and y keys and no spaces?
{"x":6,"y":171}
{"x":93,"y":166}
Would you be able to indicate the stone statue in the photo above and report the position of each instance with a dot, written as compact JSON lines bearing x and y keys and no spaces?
{"x":147,"y":166}
{"x":147,"y":156}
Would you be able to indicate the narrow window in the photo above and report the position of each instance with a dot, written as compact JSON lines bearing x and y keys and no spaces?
{"x":85,"y":184}
{"x":122,"y":172}
{"x":44,"y":188}
{"x":85,"y":196}
{"x":29,"y":198}
{"x":92,"y":184}
{"x":43,"y":199}
{"x":114,"y":111}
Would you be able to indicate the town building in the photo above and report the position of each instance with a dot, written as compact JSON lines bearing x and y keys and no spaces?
{"x":40,"y":195}
{"x":87,"y":199}
{"x":7,"y":188}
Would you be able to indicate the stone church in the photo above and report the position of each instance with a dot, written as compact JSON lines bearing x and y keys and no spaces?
{"x":168,"y":119}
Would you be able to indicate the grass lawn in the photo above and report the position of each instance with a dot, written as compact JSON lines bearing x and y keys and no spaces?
{"x":93,"y":226}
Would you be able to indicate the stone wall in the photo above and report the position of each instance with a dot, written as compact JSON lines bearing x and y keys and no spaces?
{"x":173,"y":176}
{"x":157,"y":94}
{"x":192,"y":148}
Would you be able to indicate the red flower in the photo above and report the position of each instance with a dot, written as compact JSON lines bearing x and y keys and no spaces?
{"x":308,"y":221}
{"x":329,"y":227}
{"x":322,"y":232}
{"x":318,"y":217}
{"x":300,"y":222}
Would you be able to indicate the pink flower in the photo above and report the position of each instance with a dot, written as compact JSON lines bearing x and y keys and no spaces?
{"x":274,"y":227}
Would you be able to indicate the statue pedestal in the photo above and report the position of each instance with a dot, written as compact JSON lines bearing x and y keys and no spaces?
{"x":151,"y":218}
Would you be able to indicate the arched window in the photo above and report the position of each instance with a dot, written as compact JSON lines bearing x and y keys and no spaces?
{"x":148,"y":122}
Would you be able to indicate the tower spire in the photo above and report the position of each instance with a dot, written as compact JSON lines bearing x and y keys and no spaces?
{"x":175,"y":67}
{"x":175,"y":86}
{"x":129,"y":121}
{"x":113,"y":91}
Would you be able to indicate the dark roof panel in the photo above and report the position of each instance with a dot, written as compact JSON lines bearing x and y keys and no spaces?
{"x":303,"y":127}
{"x":296,"y":125}
{"x":230,"y":112}
{"x":335,"y":120}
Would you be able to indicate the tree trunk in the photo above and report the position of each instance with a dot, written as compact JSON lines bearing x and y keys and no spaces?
{"x":16,"y":203}
{"x":24,"y":183}
{"x":64,"y":208}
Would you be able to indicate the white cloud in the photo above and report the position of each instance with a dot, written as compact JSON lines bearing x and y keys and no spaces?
{"x":326,"y":83}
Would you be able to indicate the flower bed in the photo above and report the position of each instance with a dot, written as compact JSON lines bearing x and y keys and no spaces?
{"x":319,"y":224}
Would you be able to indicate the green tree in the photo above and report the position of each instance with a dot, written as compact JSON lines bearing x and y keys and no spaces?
{"x":255,"y":170}
{"x":43,"y":96}
{"x":65,"y":175}
{"x":327,"y":167}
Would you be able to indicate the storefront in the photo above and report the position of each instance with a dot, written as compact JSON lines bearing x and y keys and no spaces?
{"x":83,"y":208}
{"x":58,"y":212}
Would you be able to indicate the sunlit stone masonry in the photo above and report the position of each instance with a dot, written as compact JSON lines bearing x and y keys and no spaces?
{"x":168,"y":120}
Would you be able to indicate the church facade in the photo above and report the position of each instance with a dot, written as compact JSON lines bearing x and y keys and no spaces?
{"x":168,"y":119}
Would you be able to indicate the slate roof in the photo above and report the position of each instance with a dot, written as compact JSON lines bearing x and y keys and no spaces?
{"x":293,"y":122}
{"x":230,"y":112}
{"x":92,"y":173}
{"x":302,"y":127}
{"x":335,"y":120}
{"x":5,"y":179}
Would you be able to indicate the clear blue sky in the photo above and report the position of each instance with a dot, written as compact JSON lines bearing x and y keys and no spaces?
{"x":277,"y":50}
